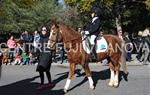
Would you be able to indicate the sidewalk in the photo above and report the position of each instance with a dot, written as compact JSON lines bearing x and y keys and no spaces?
{"x":132,"y":63}
{"x":135,"y":62}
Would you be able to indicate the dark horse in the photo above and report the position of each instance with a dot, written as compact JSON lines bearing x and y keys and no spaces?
{"x":76,"y":55}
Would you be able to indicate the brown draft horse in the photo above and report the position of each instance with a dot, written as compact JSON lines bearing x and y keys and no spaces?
{"x":76,"y":55}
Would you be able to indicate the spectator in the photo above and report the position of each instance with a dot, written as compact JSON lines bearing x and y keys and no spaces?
{"x":146,"y":46}
{"x":11,"y":43}
{"x":19,"y":47}
{"x":61,"y":51}
{"x":22,"y":36}
{"x":79,"y":29}
{"x":25,"y":58}
{"x":5,"y":59}
{"x":18,"y":57}
{"x":45,"y":60}
{"x":27,"y":39}
{"x":36,"y":39}
{"x":128,"y":46}
{"x":138,"y":43}
{"x":35,"y":50}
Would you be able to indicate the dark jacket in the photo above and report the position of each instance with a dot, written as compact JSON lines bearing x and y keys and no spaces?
{"x":45,"y":58}
{"x":94,"y":27}
{"x":146,"y":40}
{"x":127,"y":39}
{"x":43,"y":41}
{"x":27,"y":38}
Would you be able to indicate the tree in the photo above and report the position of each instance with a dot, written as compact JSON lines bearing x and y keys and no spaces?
{"x":147,"y":2}
{"x":131,"y":15}
{"x":17,"y":16}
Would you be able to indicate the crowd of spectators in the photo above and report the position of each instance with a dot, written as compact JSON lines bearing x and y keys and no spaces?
{"x":142,"y":45}
{"x":24,"y":51}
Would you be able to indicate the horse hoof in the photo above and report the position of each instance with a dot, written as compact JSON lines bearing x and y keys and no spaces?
{"x":116,"y":85}
{"x":65,"y":90}
{"x":110,"y":84}
{"x":92,"y":87}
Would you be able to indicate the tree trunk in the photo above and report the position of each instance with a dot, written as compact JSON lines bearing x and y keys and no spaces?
{"x":118,"y":24}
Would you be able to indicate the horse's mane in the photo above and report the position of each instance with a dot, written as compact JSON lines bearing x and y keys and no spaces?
{"x":70,"y":33}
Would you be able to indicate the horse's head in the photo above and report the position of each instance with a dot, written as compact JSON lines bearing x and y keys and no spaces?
{"x":62,"y":32}
{"x":55,"y":36}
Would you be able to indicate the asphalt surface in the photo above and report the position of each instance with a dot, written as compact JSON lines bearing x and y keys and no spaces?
{"x":23,"y":80}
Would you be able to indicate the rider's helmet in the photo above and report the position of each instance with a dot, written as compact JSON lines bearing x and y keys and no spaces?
{"x":95,"y":10}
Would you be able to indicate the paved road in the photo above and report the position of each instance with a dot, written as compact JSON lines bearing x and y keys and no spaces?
{"x":22,"y":80}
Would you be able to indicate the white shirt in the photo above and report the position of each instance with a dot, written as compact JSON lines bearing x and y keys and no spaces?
{"x":94,"y":19}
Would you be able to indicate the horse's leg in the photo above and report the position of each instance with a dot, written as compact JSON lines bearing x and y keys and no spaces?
{"x":114,"y":71}
{"x":112,"y":75}
{"x":88,"y":74}
{"x":70,"y":76}
{"x":116,"y":79}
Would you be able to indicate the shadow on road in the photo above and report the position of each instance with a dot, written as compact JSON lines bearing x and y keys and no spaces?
{"x":63,"y":76}
{"x":26,"y":87}
{"x":105,"y":74}
{"x":100,"y":75}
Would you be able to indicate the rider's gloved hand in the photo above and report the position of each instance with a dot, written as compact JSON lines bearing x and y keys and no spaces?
{"x":87,"y":33}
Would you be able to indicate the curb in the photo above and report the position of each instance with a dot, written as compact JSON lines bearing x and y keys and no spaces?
{"x":99,"y":64}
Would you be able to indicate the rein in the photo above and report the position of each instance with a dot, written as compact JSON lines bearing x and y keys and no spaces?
{"x":52,"y":40}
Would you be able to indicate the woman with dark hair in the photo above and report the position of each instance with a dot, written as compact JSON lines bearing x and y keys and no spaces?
{"x":45,"y":60}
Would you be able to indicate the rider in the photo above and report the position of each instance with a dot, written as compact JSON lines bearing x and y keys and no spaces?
{"x":93,"y":30}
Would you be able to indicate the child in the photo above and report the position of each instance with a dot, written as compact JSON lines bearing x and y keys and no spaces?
{"x":22,"y":53}
{"x":25,"y":58}
{"x":18,"y":59}
{"x":5,"y":59}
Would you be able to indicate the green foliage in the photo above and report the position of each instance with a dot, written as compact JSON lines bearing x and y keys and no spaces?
{"x":134,"y":15}
{"x":20,"y":15}
{"x":84,"y":5}
{"x":147,"y":2}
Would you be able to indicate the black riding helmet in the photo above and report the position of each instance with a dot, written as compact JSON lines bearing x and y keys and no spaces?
{"x":96,"y":10}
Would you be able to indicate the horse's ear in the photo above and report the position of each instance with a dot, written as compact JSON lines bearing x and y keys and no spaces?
{"x":55,"y":23}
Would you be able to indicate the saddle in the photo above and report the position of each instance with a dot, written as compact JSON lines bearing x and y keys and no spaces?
{"x":100,"y":45}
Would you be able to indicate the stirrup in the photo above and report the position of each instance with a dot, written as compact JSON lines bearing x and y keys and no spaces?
{"x":93,"y":57}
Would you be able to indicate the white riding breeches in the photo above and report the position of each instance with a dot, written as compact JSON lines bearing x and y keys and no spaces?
{"x":92,"y":39}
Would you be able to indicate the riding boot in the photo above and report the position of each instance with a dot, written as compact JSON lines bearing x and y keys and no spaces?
{"x":93,"y":53}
